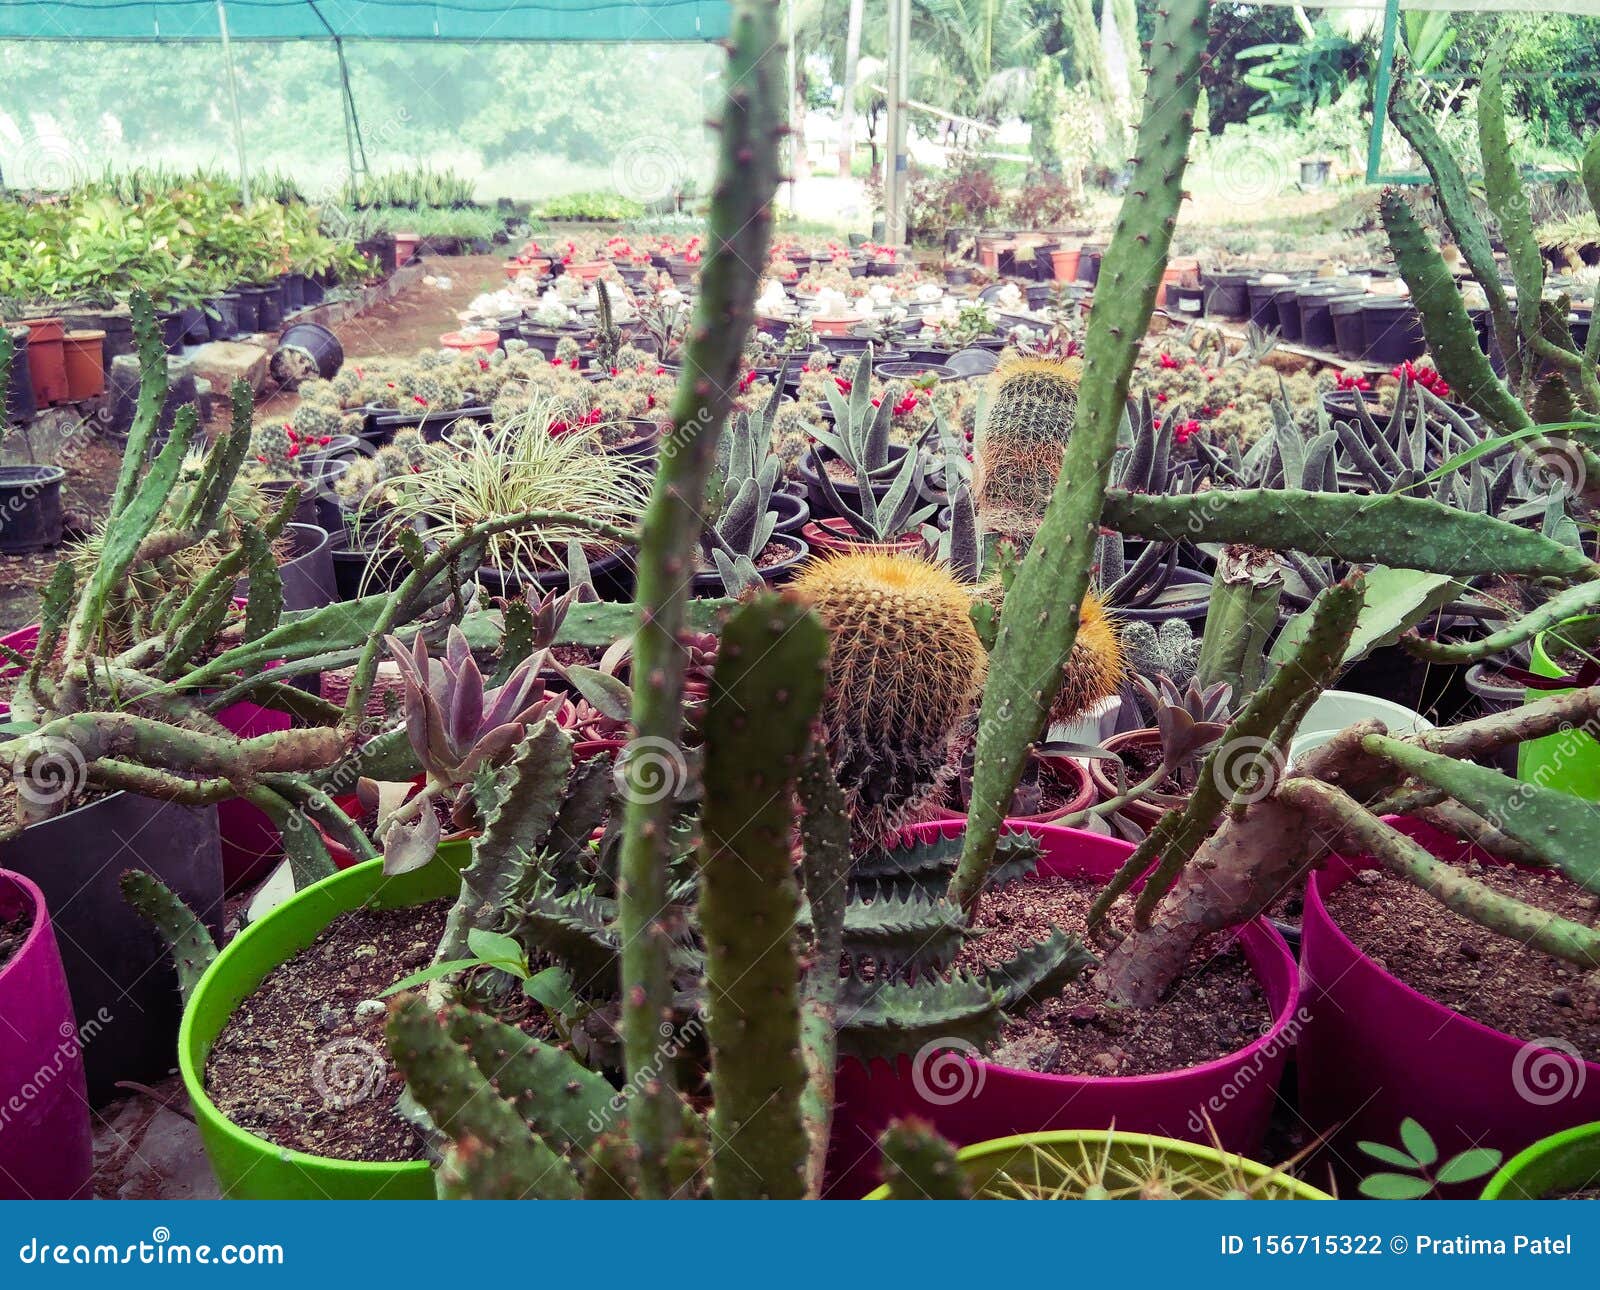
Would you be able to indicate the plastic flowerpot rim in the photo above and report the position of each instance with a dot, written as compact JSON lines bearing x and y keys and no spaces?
{"x":979,"y":1151}
{"x":233,"y":977}
{"x":1563,"y":1161}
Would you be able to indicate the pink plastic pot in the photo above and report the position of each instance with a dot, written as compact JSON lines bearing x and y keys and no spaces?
{"x":1376,"y":1051}
{"x":465,"y":341}
{"x":1235,"y":1093}
{"x":46,"y":1151}
{"x":250,"y":841}
{"x":1065,"y":771}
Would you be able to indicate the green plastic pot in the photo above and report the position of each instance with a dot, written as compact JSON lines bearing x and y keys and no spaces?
{"x":1029,"y":1155}
{"x":1569,"y":760}
{"x":251,"y":1168}
{"x":1563,"y":1162}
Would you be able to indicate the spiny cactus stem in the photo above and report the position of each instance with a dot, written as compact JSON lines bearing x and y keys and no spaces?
{"x":765,"y":692}
{"x":738,"y":233}
{"x":1581,"y":599}
{"x":1040,"y":619}
{"x":1362,"y":833}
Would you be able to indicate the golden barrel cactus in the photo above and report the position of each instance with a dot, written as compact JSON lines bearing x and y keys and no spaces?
{"x":905,"y":668}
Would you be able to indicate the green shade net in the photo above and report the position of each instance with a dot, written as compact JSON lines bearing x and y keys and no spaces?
{"x":452,"y":20}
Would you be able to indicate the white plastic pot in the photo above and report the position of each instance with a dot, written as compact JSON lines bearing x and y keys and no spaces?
{"x":1337,"y":709}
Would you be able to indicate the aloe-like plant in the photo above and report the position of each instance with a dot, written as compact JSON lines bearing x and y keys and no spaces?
{"x":860,"y":438}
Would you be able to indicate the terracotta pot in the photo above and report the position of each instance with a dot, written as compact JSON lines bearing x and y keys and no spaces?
{"x":1144,"y":813}
{"x":85,"y":366}
{"x":534,"y":268}
{"x":1064,"y":265}
{"x":589,"y":270}
{"x":837,"y":325}
{"x":465,"y":341}
{"x":405,"y":246}
{"x":837,"y":536}
{"x":47,"y":361}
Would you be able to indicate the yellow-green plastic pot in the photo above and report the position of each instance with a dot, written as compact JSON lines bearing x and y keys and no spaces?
{"x":251,"y":1168}
{"x":1564,"y":1162}
{"x":1034,"y":1156}
{"x":1569,"y":760}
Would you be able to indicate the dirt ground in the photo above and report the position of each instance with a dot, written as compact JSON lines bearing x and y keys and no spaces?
{"x":413,"y":320}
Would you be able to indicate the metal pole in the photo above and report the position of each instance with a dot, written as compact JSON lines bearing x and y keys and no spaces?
{"x":349,"y":132}
{"x":233,"y":96}
{"x":897,"y":230}
{"x":891,"y":153}
{"x":1380,"y":89}
{"x":793,"y":82}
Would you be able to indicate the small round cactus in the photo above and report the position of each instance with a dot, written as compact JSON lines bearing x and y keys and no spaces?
{"x":905,"y":667}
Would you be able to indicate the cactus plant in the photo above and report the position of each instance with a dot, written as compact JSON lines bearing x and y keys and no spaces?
{"x":860,"y":439}
{"x":739,"y":227}
{"x":904,"y":669}
{"x":1028,"y":417}
{"x":1041,"y":620}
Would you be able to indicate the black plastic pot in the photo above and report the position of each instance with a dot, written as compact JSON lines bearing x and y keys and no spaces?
{"x":19,"y":402}
{"x":308,"y":581}
{"x":1089,"y":256}
{"x":1286,"y":305}
{"x":1186,"y":302}
{"x":1348,"y":330}
{"x":793,"y":512}
{"x":118,"y":328}
{"x":30,"y":508}
{"x":1264,"y":302}
{"x":196,"y":330}
{"x":365,"y":570}
{"x":314,"y":291}
{"x":222,"y":316}
{"x":1226,"y":295}
{"x":710,"y":584}
{"x":911,"y":371}
{"x":431,"y":425}
{"x":546,"y":341}
{"x":124,"y":987}
{"x":269,"y":307}
{"x":294,"y":292}
{"x":316,"y":344}
{"x":1391,"y":331}
{"x":247,"y":310}
{"x":1316,"y":317}
{"x":173,"y":325}
{"x":607,"y":571}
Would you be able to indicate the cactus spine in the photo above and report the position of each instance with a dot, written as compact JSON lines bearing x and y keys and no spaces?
{"x":765,"y":691}
{"x":739,"y":227}
{"x":1043,"y":606}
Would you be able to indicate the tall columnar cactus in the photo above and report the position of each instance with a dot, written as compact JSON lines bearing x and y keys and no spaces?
{"x":526,"y":1119}
{"x":1027,"y":418}
{"x":1532,"y":334}
{"x":738,"y":232}
{"x":1241,"y":616}
{"x":1042,"y":610}
{"x":904,"y":668}
{"x":765,"y":690}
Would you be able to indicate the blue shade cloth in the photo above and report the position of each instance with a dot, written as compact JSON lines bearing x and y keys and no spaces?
{"x":456,"y":20}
